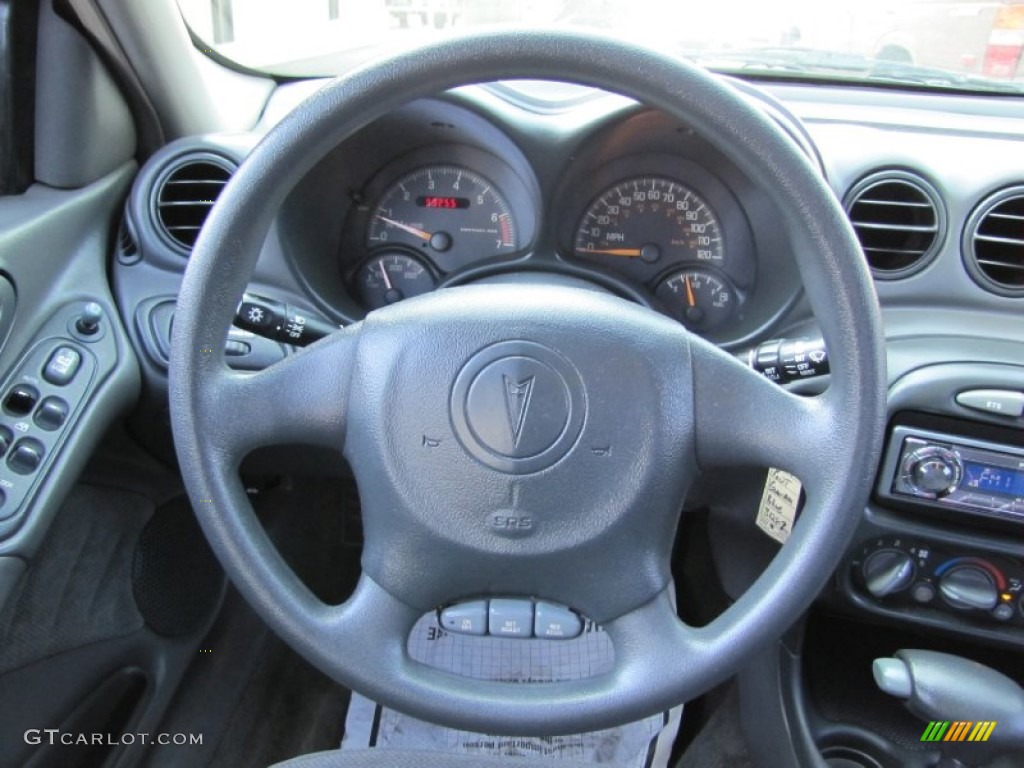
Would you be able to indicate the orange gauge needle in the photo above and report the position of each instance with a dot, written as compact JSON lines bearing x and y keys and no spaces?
{"x":689,"y":292}
{"x":629,"y":253}
{"x":411,"y":230}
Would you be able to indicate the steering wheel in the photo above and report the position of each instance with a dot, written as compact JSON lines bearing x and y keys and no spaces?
{"x":533,"y":442}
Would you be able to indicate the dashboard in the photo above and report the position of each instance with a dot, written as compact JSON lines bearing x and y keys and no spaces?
{"x":505,"y":183}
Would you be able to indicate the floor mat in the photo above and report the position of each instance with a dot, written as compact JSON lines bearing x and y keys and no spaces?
{"x":79,"y":588}
{"x":256,"y":701}
{"x":288,"y":708}
{"x":643,"y":744}
{"x":720,"y":743}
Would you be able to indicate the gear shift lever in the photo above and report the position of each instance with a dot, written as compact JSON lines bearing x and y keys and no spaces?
{"x":943,"y":687}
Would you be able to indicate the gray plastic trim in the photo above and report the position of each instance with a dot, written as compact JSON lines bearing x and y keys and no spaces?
{"x":934,"y":388}
{"x":84,"y":129}
{"x":54,"y":246}
{"x":192,"y":93}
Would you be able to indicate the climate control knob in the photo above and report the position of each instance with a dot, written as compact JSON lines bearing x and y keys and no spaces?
{"x":969,"y":587}
{"x":932,"y":471}
{"x":887,"y":571}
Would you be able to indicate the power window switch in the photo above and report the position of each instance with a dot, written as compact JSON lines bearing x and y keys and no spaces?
{"x":62,"y":366}
{"x":556,"y":622}
{"x":465,"y":618}
{"x":51,"y":413}
{"x":21,"y":399}
{"x":510,"y":618}
{"x":26,"y":456}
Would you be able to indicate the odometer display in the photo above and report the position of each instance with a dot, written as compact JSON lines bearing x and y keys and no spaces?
{"x":652,"y":220}
{"x":433,"y":201}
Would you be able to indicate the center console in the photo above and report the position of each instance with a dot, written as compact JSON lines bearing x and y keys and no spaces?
{"x":937,"y":563}
{"x":942,"y":543}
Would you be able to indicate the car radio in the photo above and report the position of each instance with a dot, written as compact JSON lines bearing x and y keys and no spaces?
{"x":954,"y":472}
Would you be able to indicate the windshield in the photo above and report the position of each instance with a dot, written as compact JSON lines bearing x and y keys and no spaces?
{"x":921,"y":43}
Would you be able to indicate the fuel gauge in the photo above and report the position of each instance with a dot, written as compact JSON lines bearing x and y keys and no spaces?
{"x":390,"y":276}
{"x":699,"y":298}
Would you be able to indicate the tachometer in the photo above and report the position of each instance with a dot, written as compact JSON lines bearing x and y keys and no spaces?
{"x":447,"y":213}
{"x":650,"y":219}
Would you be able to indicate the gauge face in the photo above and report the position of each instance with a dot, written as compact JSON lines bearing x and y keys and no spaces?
{"x":699,"y":298}
{"x":390,"y":276}
{"x":449,"y":214}
{"x":649,"y":220}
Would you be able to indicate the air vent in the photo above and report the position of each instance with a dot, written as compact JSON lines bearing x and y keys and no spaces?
{"x":185,"y":193}
{"x":126,"y":240}
{"x":994,"y":243}
{"x":899,"y":221}
{"x":127,"y":245}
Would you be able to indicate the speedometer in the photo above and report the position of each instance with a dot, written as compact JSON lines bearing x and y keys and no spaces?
{"x":447,"y":213}
{"x":650,"y":220}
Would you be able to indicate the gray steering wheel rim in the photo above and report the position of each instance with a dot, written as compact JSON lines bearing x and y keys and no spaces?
{"x":838,"y":288}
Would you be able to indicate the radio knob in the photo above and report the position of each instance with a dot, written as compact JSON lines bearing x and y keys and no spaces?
{"x":969,"y":587}
{"x":933,"y":471}
{"x":887,"y":571}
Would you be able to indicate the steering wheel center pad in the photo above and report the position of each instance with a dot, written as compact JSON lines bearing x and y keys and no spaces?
{"x":521,"y":442}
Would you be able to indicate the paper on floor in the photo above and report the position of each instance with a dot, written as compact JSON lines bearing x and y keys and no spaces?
{"x":643,"y":744}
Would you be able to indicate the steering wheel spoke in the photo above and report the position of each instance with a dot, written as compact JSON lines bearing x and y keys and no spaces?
{"x":300,"y":400}
{"x":744,"y":419}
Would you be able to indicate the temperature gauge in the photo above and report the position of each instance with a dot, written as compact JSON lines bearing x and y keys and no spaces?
{"x":699,"y":298}
{"x":391,"y":276}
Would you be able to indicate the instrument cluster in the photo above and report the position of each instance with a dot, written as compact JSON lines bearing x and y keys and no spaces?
{"x":655,"y":225}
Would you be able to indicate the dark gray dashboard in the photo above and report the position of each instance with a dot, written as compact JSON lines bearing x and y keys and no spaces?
{"x":922,"y":176}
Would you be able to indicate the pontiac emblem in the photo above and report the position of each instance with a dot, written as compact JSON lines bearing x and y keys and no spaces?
{"x":518,"y":406}
{"x":517,"y":403}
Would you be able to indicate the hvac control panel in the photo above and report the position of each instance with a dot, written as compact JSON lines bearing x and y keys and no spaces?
{"x":903,"y":573}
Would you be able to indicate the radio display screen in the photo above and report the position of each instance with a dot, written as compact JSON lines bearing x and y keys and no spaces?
{"x":1002,"y":480}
